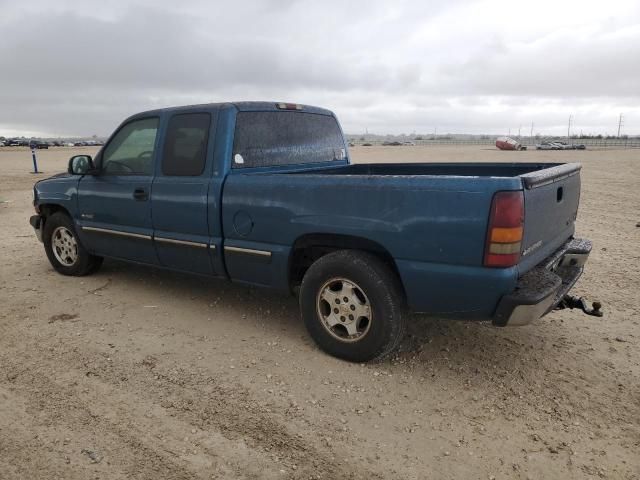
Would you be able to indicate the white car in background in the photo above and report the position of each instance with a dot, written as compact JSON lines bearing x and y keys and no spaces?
{"x":547,"y":146}
{"x":560,"y":146}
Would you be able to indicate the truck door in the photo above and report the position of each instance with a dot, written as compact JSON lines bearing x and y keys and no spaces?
{"x":114,"y":205}
{"x":180,"y":192}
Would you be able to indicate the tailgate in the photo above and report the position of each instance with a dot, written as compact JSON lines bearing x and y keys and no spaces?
{"x":551,"y":198}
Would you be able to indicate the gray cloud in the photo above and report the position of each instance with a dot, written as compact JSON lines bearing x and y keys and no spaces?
{"x":77,"y":67}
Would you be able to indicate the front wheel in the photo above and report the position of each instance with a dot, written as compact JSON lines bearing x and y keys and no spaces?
{"x":352,"y":305}
{"x":64,"y":250}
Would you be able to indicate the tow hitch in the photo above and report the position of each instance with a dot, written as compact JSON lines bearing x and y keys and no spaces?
{"x":571,"y":301}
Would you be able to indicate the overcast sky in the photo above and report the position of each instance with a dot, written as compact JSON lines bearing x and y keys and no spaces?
{"x":80,"y":67}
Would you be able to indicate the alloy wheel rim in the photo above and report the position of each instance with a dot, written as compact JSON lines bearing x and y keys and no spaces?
{"x":64,"y":246}
{"x":344,"y":310}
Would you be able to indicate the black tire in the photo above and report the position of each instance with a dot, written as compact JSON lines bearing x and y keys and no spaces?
{"x":382,"y":291}
{"x":84,"y":263}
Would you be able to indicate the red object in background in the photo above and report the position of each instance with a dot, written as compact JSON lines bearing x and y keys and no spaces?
{"x":507,"y":143}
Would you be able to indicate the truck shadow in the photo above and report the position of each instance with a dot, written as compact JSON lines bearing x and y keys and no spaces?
{"x":430,"y":341}
{"x":241,"y":301}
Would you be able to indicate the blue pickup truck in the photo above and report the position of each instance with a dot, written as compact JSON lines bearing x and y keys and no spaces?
{"x":265,"y":194}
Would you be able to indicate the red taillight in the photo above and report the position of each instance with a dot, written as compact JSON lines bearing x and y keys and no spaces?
{"x":504,"y":236}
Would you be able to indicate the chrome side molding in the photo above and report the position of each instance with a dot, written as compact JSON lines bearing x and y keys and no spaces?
{"x":174,"y":241}
{"x":180,"y":242}
{"x":248,"y":251}
{"x":116,"y":232}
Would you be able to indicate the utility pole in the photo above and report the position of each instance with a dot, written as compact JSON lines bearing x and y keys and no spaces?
{"x":620,"y":124}
{"x":569,"y":128}
{"x":531,"y":129}
{"x":519,"y":130}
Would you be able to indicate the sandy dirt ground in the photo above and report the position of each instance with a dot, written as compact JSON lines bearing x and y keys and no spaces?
{"x":141,"y":373}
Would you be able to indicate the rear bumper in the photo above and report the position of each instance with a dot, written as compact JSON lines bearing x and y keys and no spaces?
{"x":36,"y":223}
{"x":539,"y":290}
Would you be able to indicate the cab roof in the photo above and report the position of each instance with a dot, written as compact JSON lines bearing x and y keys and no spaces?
{"x":240,"y":106}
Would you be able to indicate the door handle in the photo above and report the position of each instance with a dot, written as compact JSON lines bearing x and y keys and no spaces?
{"x":140,"y":194}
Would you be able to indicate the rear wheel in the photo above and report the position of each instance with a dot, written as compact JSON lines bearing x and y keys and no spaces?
{"x":352,"y":305}
{"x":64,"y":250}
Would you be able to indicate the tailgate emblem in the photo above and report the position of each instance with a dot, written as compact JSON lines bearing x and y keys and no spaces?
{"x":533,"y":247}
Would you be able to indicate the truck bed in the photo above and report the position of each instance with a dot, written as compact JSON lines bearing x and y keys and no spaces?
{"x":551,"y":191}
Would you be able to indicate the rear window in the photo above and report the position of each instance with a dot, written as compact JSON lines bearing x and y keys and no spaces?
{"x":286,"y":138}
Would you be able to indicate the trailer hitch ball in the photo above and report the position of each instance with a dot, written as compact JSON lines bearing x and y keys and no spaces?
{"x":570,"y":301}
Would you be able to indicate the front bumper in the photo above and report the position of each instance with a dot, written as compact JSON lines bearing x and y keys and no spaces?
{"x":37,"y":224}
{"x":539,"y":290}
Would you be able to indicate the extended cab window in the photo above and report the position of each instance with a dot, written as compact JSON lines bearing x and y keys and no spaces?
{"x":130,"y":151}
{"x":286,"y":138}
{"x":185,"y":147}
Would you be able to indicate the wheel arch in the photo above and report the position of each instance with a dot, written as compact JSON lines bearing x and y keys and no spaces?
{"x":48,"y":209}
{"x":311,"y":246}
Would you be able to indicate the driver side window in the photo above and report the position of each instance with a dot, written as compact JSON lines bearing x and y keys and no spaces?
{"x":130,"y":151}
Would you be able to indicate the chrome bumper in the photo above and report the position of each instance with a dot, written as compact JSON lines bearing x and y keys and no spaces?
{"x":542,"y":288}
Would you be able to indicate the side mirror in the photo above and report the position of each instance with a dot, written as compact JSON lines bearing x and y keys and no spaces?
{"x":80,"y":165}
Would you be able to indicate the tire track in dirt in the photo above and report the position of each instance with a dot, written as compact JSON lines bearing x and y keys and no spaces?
{"x":57,"y":411}
{"x":175,"y":397}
